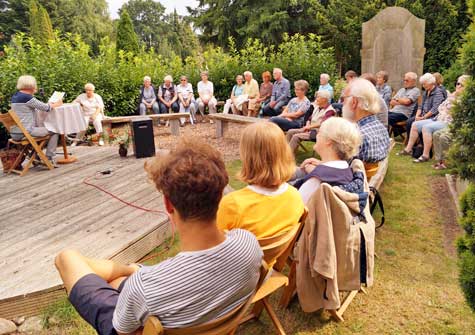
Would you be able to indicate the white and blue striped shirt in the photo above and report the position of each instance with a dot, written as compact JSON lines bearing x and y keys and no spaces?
{"x":192,"y":287}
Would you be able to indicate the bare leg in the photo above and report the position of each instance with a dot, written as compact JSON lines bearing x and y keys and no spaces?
{"x":427,"y":137}
{"x":72,"y":266}
{"x":414,"y":135}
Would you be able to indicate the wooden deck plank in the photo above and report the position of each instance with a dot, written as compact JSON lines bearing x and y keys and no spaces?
{"x":47,"y":211}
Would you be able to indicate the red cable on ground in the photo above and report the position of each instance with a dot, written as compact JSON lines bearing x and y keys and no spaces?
{"x":168,"y":247}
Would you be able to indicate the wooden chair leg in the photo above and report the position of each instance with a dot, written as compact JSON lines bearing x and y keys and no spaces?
{"x":255,"y":312}
{"x":273,"y":317}
{"x":43,"y":158}
{"x":338,"y":314}
{"x":290,"y":290}
{"x":23,"y":152}
{"x":28,"y":164}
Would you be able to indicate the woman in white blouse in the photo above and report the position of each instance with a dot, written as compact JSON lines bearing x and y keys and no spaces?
{"x":93,"y":110}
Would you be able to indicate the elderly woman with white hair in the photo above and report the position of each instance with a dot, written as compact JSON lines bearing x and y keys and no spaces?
{"x":93,"y":110}
{"x":427,"y":127}
{"x":148,"y":98}
{"x":322,"y":110}
{"x":337,"y":143}
{"x":432,"y":97}
{"x":26,"y":106}
{"x":167,"y":96}
{"x":325,"y":84}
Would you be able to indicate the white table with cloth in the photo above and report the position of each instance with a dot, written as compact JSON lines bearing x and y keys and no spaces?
{"x":66,"y":119}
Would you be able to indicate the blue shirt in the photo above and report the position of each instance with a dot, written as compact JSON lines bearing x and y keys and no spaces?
{"x":281,"y":90}
{"x":237,"y":90}
{"x":328,"y":88}
{"x":375,"y":140}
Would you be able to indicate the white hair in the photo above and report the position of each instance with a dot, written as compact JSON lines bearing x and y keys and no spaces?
{"x":411,"y":75}
{"x":147,"y":78}
{"x":89,"y":86}
{"x":276,"y":69}
{"x":326,"y":76}
{"x":427,"y":78}
{"x":463,"y":78}
{"x":343,"y":134}
{"x":26,"y":83}
{"x":168,"y":78}
{"x":248,"y":72}
{"x":324,"y":94}
{"x":365,"y":92}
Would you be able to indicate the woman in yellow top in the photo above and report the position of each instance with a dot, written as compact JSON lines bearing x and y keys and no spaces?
{"x":251,"y":88}
{"x":268,"y":205}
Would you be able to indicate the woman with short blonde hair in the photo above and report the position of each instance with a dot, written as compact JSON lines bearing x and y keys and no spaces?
{"x":268,"y":205}
{"x":93,"y":111}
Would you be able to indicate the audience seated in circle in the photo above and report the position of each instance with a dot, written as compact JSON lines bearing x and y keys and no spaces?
{"x":214,"y":273}
{"x":27,"y":107}
{"x":237,"y":99}
{"x":167,"y":96}
{"x":148,"y":97}
{"x":93,"y":109}
{"x":321,"y":111}
{"x":268,"y":205}
{"x":337,"y":143}
{"x":280,"y":94}
{"x":361,"y":104}
{"x":404,"y":101}
{"x":293,"y":114}
{"x":432,"y":97}
{"x":427,"y":127}
{"x":206,"y":95}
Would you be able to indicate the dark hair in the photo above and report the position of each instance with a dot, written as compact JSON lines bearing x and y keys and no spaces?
{"x":351,"y":74}
{"x":192,"y":177}
{"x":369,"y":77}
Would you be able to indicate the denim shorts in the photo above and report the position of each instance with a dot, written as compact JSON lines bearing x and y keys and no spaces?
{"x":95,"y":300}
{"x":429,"y":126}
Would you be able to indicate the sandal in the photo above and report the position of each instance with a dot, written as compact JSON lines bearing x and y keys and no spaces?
{"x":441,"y":166}
{"x":403,"y":152}
{"x":421,"y":159}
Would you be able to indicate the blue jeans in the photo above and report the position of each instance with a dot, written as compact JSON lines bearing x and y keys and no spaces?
{"x":285,"y":124}
{"x":429,"y":126}
{"x":164,"y":109}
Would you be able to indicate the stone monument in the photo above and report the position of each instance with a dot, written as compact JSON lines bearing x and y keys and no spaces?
{"x":393,"y":41}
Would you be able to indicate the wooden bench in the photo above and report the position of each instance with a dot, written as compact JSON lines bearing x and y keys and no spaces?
{"x":174,"y":119}
{"x":222,"y":121}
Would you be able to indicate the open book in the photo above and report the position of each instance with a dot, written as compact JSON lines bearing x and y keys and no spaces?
{"x":56,"y":97}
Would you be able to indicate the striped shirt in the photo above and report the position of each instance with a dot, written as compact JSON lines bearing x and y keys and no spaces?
{"x":192,"y":287}
{"x":25,"y":106}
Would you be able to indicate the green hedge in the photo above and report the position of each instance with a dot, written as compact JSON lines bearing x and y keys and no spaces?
{"x":65,"y":64}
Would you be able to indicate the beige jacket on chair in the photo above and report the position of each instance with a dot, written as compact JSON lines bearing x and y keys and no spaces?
{"x":328,"y":251}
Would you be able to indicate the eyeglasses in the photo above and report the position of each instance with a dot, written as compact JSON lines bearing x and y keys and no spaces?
{"x":459,"y":84}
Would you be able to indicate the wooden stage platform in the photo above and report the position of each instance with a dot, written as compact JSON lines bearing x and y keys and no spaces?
{"x":46,"y":211}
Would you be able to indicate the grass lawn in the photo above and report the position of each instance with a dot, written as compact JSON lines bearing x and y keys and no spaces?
{"x":416,"y":287}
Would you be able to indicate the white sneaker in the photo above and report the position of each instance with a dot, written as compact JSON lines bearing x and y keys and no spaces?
{"x":211,"y":121}
{"x":101,"y":142}
{"x":74,"y":144}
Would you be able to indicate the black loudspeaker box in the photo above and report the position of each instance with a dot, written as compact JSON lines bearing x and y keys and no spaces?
{"x":142,"y":131}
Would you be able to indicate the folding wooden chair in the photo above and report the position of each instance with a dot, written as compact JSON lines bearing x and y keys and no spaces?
{"x":276,"y":251}
{"x":225,"y":325}
{"x":346,"y":297}
{"x":31,"y":146}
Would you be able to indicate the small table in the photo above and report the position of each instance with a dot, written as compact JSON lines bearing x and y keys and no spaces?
{"x":64,"y":120}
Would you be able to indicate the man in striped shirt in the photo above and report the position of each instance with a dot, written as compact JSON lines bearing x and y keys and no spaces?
{"x":214,"y":273}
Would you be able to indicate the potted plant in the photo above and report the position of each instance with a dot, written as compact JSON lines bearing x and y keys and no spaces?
{"x":123,"y":139}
